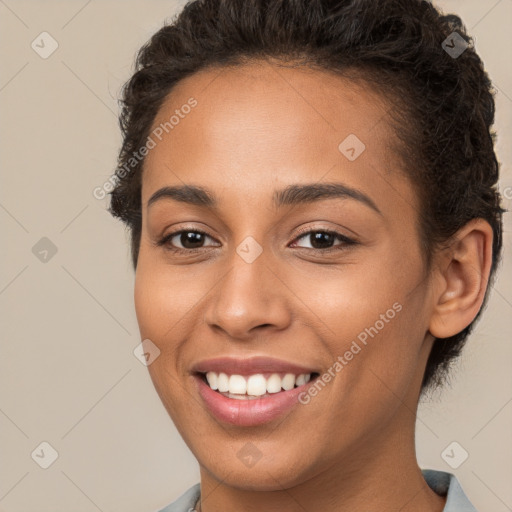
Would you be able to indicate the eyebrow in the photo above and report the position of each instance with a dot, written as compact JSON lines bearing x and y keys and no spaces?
{"x":291,"y":195}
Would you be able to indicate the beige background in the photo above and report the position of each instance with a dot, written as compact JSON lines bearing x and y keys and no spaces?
{"x":68,"y":374}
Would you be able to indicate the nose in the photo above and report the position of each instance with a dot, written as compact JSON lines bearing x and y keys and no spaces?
{"x":249,"y":299}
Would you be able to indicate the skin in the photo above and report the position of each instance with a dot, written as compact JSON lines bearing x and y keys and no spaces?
{"x":258,"y":128}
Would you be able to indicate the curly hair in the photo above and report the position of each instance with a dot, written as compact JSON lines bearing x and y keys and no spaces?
{"x":443,"y":107}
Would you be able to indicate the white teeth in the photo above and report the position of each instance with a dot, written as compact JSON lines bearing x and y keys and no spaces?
{"x":240,"y":397}
{"x":274,"y":383}
{"x":288,"y":381}
{"x":211,"y":377}
{"x":256,"y":385}
{"x":222,"y":382}
{"x":239,"y":386}
{"x":301,"y":379}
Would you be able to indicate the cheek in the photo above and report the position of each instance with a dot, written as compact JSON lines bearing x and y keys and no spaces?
{"x":157,"y":313}
{"x":149,"y":307}
{"x":354,"y":296}
{"x":162,"y":296}
{"x":375,"y":318}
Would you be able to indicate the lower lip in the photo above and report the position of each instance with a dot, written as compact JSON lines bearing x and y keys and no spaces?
{"x":247,"y":413}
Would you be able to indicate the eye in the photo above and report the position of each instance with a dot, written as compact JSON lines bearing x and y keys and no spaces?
{"x":190,"y":239}
{"x":323,"y":240}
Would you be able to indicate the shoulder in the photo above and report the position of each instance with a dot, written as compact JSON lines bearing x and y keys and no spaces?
{"x":186,"y":502}
{"x":446,"y":484}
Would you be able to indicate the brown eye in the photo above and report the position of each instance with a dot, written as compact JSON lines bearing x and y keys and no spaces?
{"x":324,"y":240}
{"x":189,"y":239}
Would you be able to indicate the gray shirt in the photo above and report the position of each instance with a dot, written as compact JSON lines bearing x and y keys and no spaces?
{"x":444,"y":484}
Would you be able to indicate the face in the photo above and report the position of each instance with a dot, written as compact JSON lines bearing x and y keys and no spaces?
{"x":260,"y":273}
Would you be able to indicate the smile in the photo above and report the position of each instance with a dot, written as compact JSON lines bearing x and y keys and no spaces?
{"x":250,"y":387}
{"x":250,"y":391}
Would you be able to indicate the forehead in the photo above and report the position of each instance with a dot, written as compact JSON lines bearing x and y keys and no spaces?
{"x":261,"y":124}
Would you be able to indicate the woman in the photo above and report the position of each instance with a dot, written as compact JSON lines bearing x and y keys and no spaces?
{"x":310,"y":188}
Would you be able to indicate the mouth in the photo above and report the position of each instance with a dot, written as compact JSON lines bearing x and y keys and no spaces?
{"x":251,"y":391}
{"x":254,"y":386}
{"x":247,"y":401}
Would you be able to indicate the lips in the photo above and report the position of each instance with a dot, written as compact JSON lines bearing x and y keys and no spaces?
{"x":250,"y":366}
{"x":257,"y":410}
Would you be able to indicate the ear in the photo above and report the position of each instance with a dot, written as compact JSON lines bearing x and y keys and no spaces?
{"x":463,"y":271}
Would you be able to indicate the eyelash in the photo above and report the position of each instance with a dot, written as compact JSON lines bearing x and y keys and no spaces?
{"x":164,"y":241}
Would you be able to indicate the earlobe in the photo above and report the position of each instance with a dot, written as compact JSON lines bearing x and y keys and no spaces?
{"x":464,"y":271}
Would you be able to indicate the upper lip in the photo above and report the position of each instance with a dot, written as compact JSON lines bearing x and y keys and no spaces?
{"x":249,"y":366}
